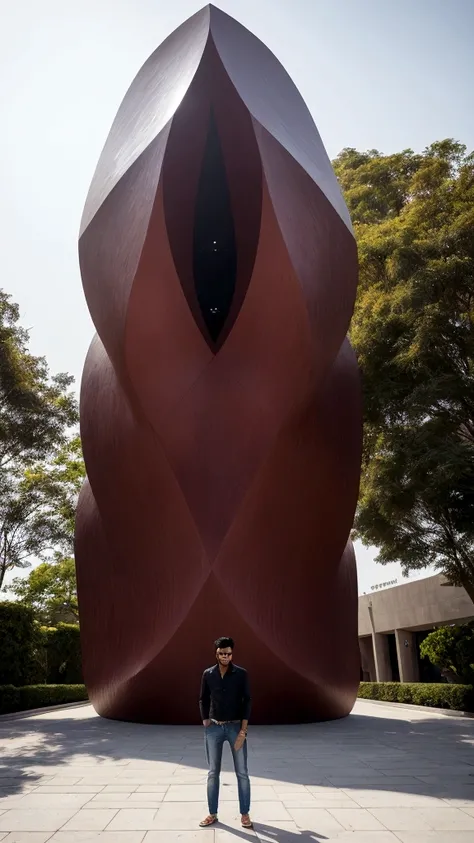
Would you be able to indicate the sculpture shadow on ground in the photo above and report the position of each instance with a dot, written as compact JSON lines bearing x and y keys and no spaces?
{"x":432,"y":756}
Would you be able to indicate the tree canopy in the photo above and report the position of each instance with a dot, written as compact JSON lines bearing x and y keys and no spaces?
{"x":451,"y":648}
{"x":413,"y":331}
{"x":37,"y":457}
{"x":50,"y":590}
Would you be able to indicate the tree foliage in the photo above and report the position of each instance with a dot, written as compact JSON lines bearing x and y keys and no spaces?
{"x":50,"y":590}
{"x":413,"y":330}
{"x":36,"y":415}
{"x":451,"y":648}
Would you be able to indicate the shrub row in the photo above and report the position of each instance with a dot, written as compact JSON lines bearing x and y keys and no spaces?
{"x":31,"y":654}
{"x":62,"y":651}
{"x":19,"y":645}
{"x":456,"y":697}
{"x":36,"y":696}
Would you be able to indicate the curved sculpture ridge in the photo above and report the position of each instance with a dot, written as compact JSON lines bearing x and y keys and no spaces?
{"x":220,"y":402}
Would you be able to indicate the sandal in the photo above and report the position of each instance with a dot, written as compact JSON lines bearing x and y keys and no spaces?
{"x":246,"y":821}
{"x":210,"y":820}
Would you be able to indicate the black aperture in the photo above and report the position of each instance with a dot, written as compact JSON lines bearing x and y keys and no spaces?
{"x":215,"y":253}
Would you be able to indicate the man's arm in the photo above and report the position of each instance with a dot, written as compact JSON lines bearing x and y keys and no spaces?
{"x":246,"y":706}
{"x":246,"y":702}
{"x":204,"y":700}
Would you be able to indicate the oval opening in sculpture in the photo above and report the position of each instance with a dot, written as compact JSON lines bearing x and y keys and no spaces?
{"x":214,"y":252}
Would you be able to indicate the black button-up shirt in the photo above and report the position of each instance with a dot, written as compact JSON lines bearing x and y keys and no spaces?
{"x":225,"y":697}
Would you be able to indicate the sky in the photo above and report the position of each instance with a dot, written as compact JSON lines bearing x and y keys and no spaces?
{"x":376,"y":74}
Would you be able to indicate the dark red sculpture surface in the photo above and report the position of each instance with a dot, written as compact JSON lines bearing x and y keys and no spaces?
{"x":220,"y":405}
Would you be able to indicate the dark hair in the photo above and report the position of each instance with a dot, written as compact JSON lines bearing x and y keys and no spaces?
{"x":224,"y":641}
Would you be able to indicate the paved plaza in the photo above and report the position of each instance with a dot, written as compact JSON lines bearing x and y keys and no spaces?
{"x":383,"y":775}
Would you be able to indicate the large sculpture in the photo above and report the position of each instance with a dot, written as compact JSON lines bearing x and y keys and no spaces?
{"x":220,"y":404}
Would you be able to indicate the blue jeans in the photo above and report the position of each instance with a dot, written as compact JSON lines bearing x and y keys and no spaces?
{"x":214,"y":739}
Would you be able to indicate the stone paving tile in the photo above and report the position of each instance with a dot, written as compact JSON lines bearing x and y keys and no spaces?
{"x":151,"y":788}
{"x":374,"y":778}
{"x":205,"y":835}
{"x":424,"y":773}
{"x":435,"y":837}
{"x":402,"y":819}
{"x":69,"y":788}
{"x":333,"y":800}
{"x":27,"y":837}
{"x":290,"y":798}
{"x":35,"y":820}
{"x":97,"y":778}
{"x":96,"y":819}
{"x":64,"y":801}
{"x":468,"y":810}
{"x":22,"y":784}
{"x":462,"y":798}
{"x":356,"y":819}
{"x":263,"y":812}
{"x":110,"y":797}
{"x":182,"y":836}
{"x":152,"y":805}
{"x":270,"y":780}
{"x":440,"y":779}
{"x":361,"y":837}
{"x":223,"y":835}
{"x":134,"y":819}
{"x":97,"y":837}
{"x":286,"y":832}
{"x":315,"y":820}
{"x":392,"y":799}
{"x":10,"y":801}
{"x":60,"y":781}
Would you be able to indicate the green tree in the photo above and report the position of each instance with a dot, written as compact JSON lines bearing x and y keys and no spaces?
{"x":413,"y":331}
{"x":451,"y":648}
{"x":36,"y":415}
{"x":50,"y":590}
{"x":38,"y":508}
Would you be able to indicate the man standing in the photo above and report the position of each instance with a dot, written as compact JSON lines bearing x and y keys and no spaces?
{"x":225,"y":708}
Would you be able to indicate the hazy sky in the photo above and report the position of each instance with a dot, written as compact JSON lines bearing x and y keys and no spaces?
{"x":384,"y":74}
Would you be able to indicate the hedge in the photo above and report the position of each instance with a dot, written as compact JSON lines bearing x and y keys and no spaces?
{"x":63,"y":654}
{"x":20,"y":646}
{"x":456,"y":697}
{"x":39,"y":696}
{"x":31,"y":654}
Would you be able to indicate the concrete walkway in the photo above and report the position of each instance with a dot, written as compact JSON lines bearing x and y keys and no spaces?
{"x":383,"y":775}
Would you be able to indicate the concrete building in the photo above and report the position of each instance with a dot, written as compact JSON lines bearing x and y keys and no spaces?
{"x":393,"y":623}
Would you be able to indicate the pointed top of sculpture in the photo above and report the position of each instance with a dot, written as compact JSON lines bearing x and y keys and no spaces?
{"x":260,"y":80}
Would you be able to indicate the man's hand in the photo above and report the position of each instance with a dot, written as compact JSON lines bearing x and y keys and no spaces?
{"x":206,"y":723}
{"x":240,"y":740}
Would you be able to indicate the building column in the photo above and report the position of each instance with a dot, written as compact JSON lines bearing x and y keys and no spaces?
{"x":407,"y":656}
{"x":383,"y":668}
{"x":367,"y":657}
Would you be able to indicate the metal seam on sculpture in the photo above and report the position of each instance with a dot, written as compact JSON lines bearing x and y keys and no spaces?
{"x":341,"y":210}
{"x":165,"y":130}
{"x":277,"y":656}
{"x":121,"y":108}
{"x":141,"y":668}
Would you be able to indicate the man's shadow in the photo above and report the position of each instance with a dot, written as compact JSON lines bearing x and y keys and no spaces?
{"x":270,"y":833}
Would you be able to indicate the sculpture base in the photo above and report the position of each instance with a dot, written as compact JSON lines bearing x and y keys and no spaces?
{"x":166,"y":691}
